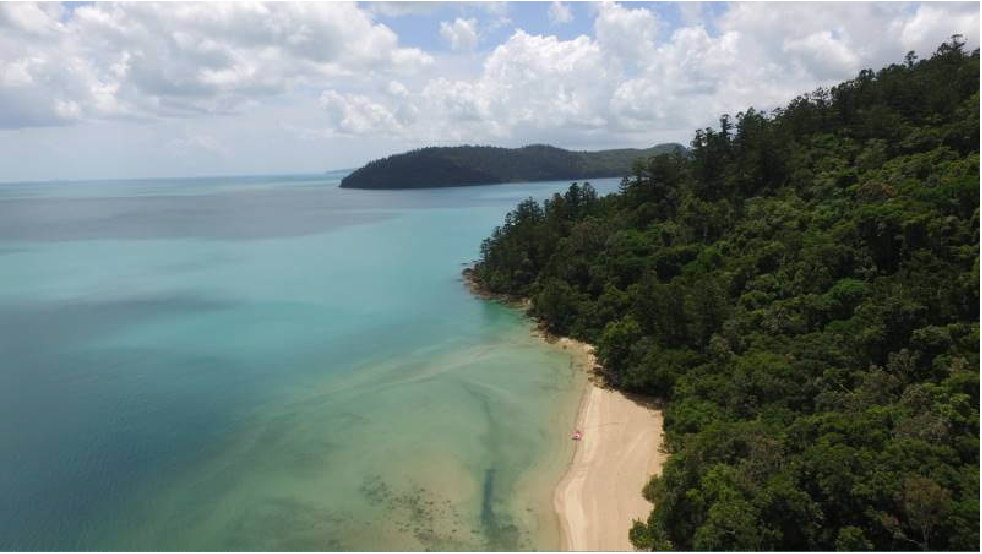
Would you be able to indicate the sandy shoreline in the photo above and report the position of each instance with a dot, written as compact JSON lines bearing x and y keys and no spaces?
{"x":600,"y":495}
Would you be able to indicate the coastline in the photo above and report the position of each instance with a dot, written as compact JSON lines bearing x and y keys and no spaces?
{"x":599,"y":495}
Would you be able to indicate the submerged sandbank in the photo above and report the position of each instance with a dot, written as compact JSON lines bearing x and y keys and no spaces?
{"x":599,"y":496}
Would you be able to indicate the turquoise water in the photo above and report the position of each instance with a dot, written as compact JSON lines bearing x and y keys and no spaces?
{"x":269,"y":363}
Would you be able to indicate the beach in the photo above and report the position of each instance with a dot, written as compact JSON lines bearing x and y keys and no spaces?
{"x":600,"y":494}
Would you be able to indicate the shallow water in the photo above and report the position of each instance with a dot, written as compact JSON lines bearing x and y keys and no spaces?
{"x":269,"y":363}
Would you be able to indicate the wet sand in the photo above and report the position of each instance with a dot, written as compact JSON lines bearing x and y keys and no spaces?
{"x":600,"y":495}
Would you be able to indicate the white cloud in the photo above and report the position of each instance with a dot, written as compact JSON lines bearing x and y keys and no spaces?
{"x":764,"y":55}
{"x":401,"y":9}
{"x":559,"y":13}
{"x":826,"y":56}
{"x":37,"y":19}
{"x":543,"y":81}
{"x":146,"y":60}
{"x":332,"y":72}
{"x":461,"y":34}
{"x":632,"y":82}
{"x":626,"y":33}
{"x":397,"y":89}
{"x":932,"y":21}
{"x":491,"y":7}
{"x":358,"y":115}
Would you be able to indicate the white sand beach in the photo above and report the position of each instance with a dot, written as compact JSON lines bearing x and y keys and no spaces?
{"x":600,"y":495}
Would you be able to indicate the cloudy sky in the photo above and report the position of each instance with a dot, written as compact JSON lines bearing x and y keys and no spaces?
{"x":143,"y":90}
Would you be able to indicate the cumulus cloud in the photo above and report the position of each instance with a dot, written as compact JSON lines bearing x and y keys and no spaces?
{"x":626,"y":33}
{"x":636,"y":81}
{"x":529,"y":83}
{"x":492,"y":7}
{"x":920,"y":32}
{"x":825,"y":56}
{"x":633,"y":80}
{"x":397,"y":89}
{"x":144,"y":60}
{"x":461,"y":34}
{"x":356,"y":114}
{"x":559,"y":13}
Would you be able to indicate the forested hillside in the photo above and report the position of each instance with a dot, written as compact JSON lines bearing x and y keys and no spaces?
{"x":485,"y":165}
{"x":803,"y":290}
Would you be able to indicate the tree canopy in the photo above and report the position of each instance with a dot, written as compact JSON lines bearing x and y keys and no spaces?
{"x":802,"y":287}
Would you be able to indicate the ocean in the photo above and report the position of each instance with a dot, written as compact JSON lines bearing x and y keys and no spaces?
{"x":270,"y":363}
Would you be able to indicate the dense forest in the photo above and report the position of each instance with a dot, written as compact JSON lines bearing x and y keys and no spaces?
{"x":802,"y":288}
{"x":486,"y":165}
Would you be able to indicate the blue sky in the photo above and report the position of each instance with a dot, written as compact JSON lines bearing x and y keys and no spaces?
{"x":144,"y":90}
{"x":418,"y":29}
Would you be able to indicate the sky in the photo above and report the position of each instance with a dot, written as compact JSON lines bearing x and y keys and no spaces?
{"x":130,"y":90}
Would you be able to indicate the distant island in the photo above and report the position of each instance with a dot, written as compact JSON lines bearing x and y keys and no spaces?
{"x":487,"y":165}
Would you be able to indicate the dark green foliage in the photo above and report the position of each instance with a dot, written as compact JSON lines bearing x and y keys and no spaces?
{"x":486,"y":165}
{"x":803,"y":289}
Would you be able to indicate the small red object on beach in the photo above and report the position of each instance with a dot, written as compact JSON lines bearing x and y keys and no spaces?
{"x":577,"y":435}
